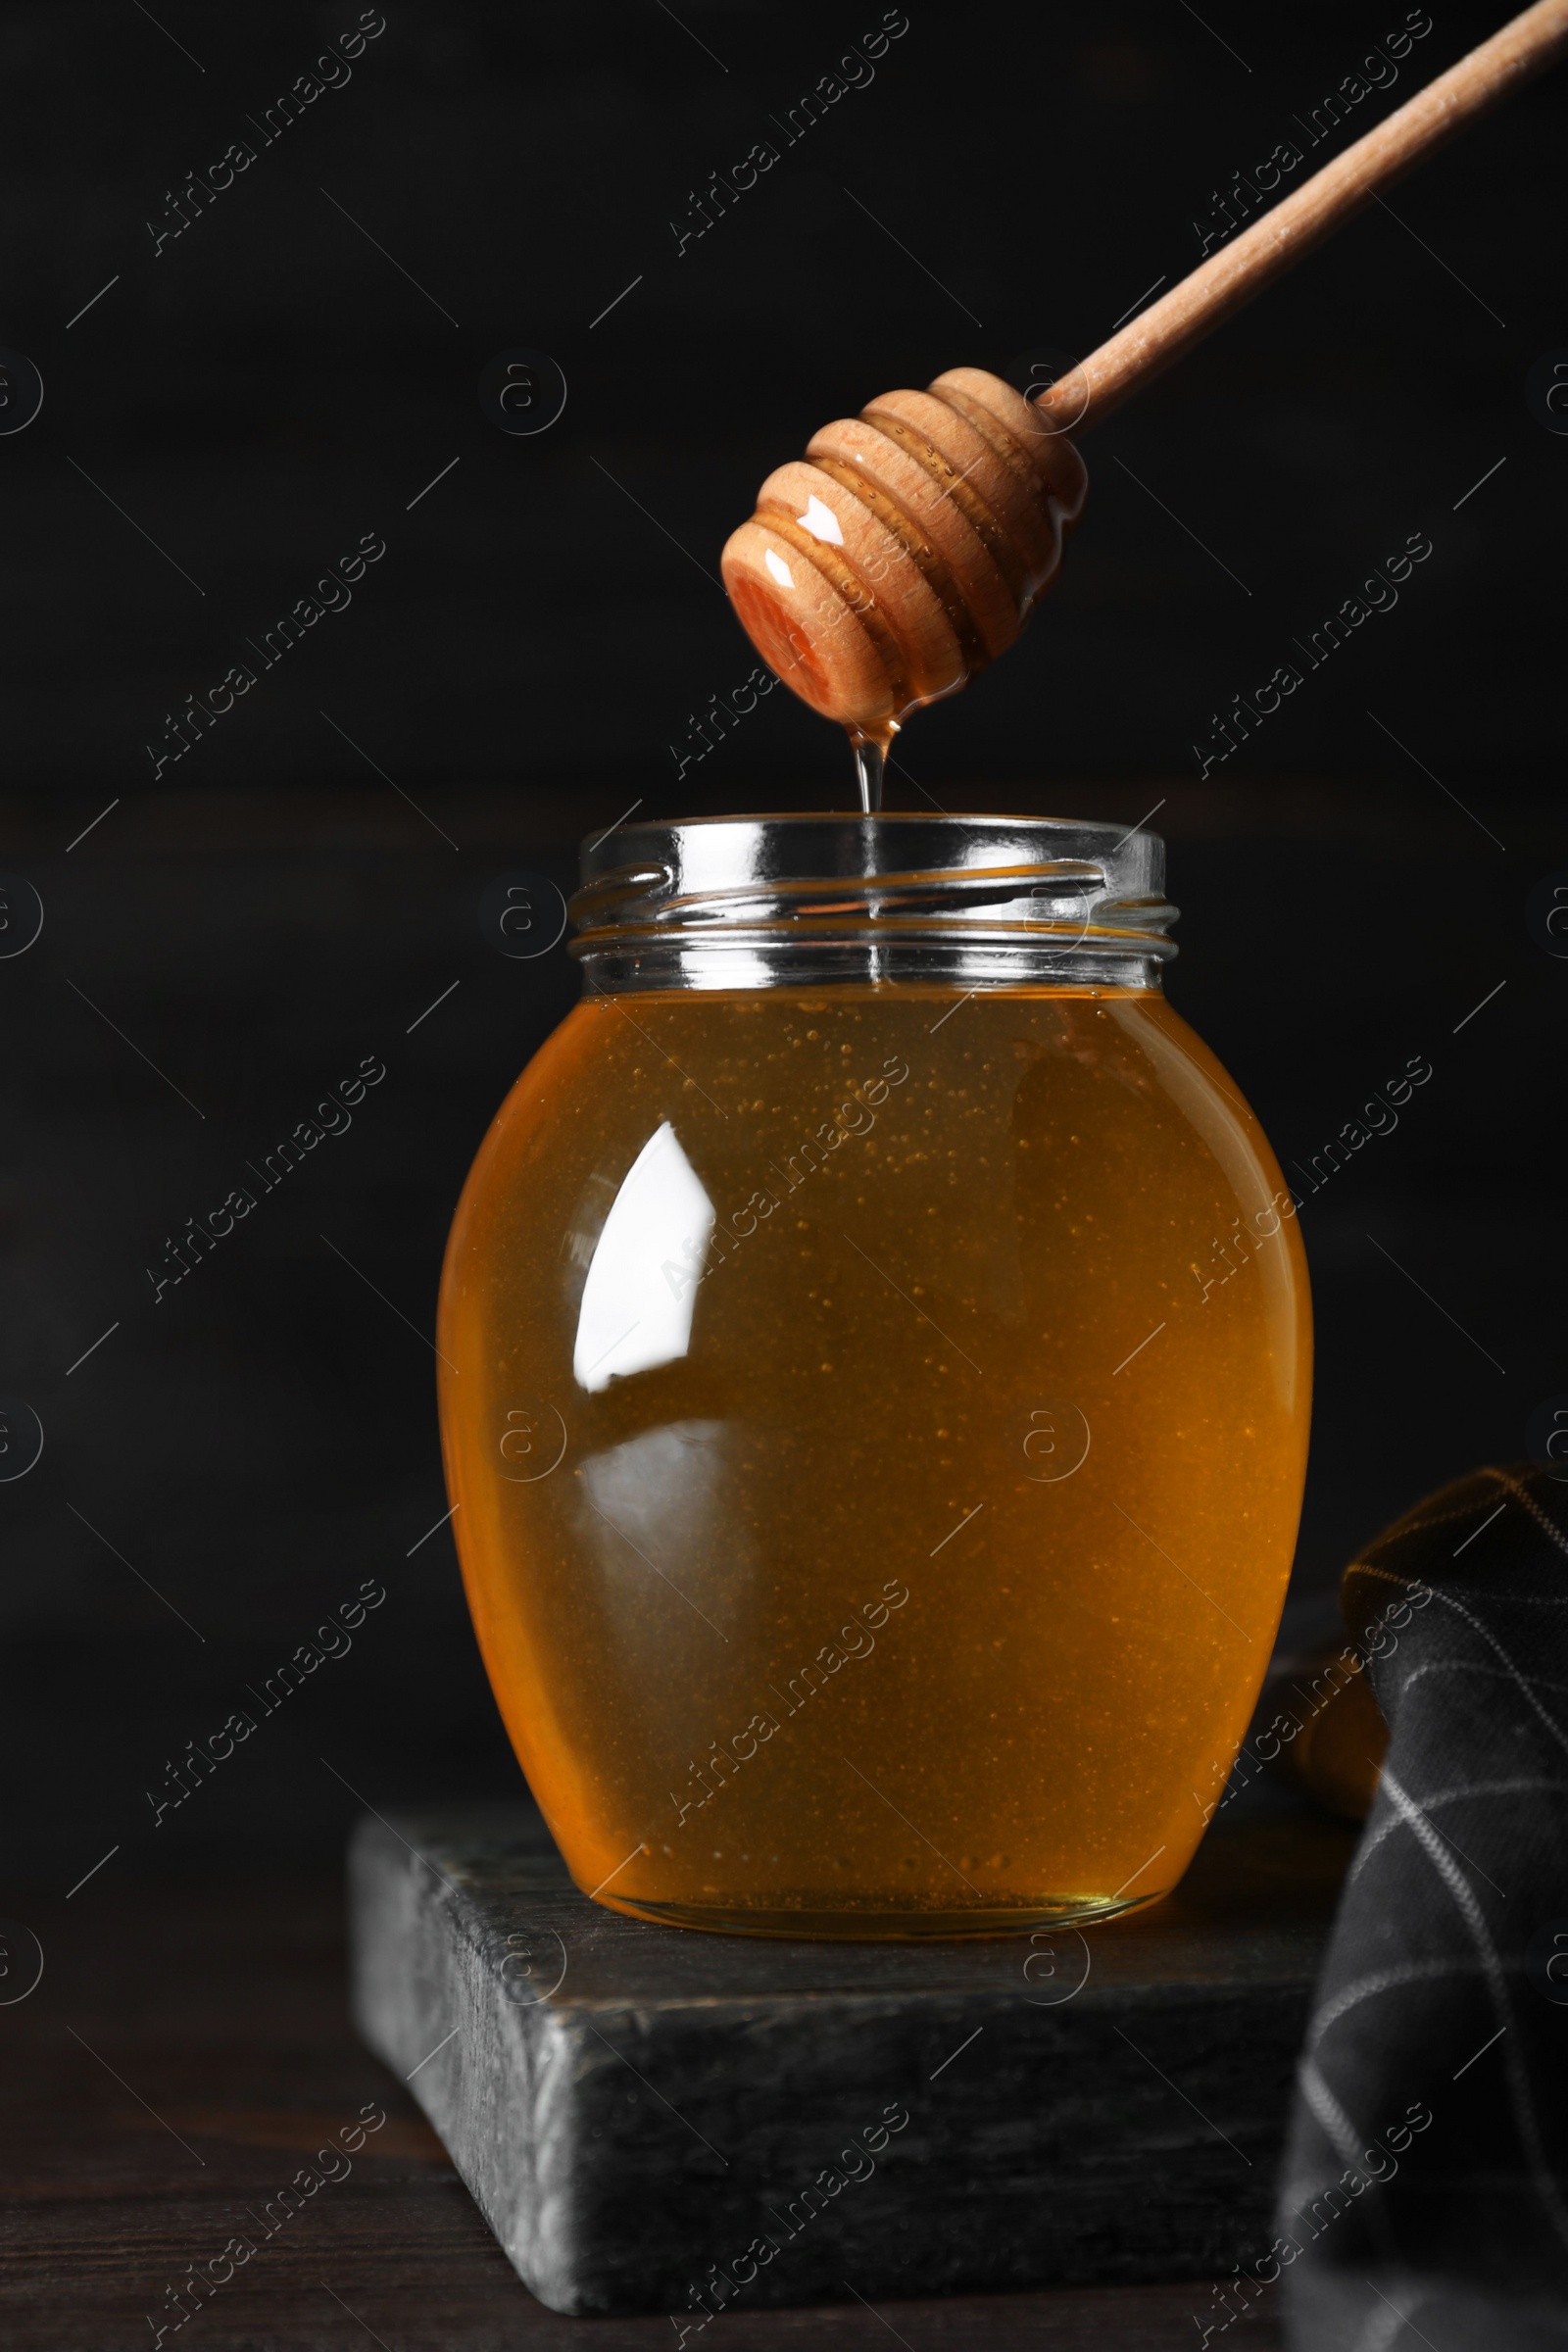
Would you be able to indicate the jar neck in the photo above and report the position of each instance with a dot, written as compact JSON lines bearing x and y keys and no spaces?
{"x":946,"y":903}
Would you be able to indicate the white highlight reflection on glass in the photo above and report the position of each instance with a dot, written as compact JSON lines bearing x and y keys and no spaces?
{"x":780,"y":570}
{"x":642,"y":1283}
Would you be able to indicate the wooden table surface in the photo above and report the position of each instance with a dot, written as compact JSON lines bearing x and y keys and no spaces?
{"x":188,"y":2048}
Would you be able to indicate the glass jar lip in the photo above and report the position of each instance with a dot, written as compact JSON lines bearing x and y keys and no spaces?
{"x":815,"y":896}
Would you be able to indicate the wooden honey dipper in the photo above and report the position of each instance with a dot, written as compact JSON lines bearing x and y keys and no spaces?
{"x":909,"y":546}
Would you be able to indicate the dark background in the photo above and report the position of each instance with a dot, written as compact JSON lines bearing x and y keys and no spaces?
{"x":514,"y":669}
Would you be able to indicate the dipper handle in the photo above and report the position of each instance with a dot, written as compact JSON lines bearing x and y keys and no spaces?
{"x":1170,"y":327}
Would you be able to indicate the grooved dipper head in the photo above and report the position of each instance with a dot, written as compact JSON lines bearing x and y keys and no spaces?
{"x":908,"y":549}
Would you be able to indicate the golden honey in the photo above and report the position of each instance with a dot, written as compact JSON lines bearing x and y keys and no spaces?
{"x":876,"y":1458}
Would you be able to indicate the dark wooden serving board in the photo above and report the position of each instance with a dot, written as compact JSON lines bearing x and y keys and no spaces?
{"x":640,"y":2112}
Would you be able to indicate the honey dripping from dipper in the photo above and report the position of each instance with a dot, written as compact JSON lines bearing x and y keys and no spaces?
{"x":905,"y":552}
{"x":908,"y":547}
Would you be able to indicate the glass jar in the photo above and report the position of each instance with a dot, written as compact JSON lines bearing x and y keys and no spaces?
{"x":875,"y":1381}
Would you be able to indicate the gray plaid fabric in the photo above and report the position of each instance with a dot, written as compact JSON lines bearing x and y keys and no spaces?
{"x":1425,"y":2188}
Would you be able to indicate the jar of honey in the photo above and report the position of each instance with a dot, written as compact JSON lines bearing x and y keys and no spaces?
{"x":875,"y":1379}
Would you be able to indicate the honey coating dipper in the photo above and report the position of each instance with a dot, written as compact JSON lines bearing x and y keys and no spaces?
{"x":908,"y":547}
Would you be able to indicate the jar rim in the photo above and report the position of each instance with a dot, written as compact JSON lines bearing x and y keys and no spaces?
{"x":813,"y":898}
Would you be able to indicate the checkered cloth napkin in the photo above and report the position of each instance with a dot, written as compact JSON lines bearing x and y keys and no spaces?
{"x":1425,"y":2188}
